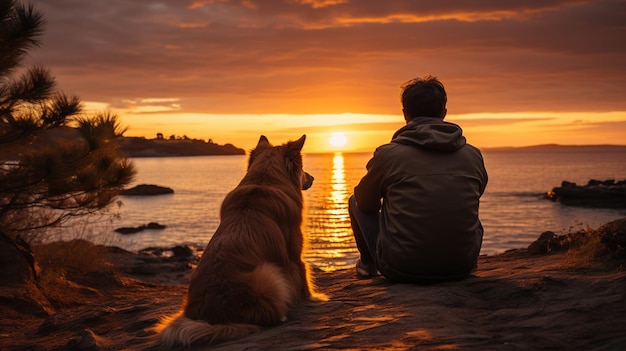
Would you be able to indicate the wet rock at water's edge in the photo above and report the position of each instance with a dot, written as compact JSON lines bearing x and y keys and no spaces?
{"x":596,"y":193}
{"x":133,"y":230}
{"x":612,"y":235}
{"x":147,"y":190}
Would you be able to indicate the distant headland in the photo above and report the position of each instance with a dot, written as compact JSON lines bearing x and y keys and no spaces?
{"x":174,"y":146}
{"x":544,"y":147}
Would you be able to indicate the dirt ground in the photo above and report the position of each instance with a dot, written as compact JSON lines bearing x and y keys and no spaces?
{"x":515,"y":301}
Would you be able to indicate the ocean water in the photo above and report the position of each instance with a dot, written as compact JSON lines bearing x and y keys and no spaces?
{"x":513,"y":210}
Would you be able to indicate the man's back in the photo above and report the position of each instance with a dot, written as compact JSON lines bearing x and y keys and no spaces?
{"x":431,"y":182}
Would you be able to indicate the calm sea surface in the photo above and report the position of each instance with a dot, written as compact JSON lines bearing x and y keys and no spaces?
{"x":513,"y":210}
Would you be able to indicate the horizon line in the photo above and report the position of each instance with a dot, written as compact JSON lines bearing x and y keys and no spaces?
{"x":494,"y":148}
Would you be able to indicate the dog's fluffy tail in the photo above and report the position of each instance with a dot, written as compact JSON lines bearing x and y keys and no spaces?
{"x":274,"y":295}
{"x":178,"y":330}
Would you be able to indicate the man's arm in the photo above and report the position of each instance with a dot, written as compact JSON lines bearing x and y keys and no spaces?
{"x":370,"y":189}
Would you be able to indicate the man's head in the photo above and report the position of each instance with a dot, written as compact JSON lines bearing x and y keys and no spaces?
{"x":424,"y":97}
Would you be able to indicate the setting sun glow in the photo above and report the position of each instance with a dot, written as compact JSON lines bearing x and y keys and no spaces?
{"x":350,"y":102}
{"x":338,"y":139}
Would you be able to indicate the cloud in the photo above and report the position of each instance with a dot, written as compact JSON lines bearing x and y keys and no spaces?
{"x":491,"y":122}
{"x":356,"y":127}
{"x":463,"y":121}
{"x":148,"y":105}
{"x":333,"y":56}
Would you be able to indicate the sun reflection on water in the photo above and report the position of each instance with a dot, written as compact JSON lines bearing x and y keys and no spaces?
{"x":331,"y":241}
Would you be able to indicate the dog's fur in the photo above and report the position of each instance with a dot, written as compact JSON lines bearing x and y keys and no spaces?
{"x":251,"y":272}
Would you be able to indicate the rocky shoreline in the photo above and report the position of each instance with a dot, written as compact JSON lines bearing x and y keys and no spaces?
{"x":596,"y":193}
{"x":535,"y":298}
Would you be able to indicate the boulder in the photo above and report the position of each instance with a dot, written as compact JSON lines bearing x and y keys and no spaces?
{"x":18,"y":273}
{"x":549,"y":242}
{"x":88,"y":340}
{"x":613,"y":236}
{"x":180,"y":251}
{"x":17,"y":262}
{"x":129,"y":230}
{"x":154,"y":225}
{"x":596,"y":193}
{"x":542,"y":244}
{"x":147,"y":190}
{"x":133,"y":230}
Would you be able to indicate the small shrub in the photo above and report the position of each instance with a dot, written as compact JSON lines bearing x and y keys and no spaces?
{"x":72,"y":271}
{"x":75,"y":257}
{"x":588,"y":251}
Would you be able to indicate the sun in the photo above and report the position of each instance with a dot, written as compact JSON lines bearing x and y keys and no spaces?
{"x":338,"y":139}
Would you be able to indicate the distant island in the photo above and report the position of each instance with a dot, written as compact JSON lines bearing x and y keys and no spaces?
{"x":174,"y":146}
{"x":543,"y":147}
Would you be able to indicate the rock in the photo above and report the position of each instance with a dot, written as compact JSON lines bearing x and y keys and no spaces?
{"x":548,"y":242}
{"x":133,"y":230}
{"x":175,"y":253}
{"x":147,"y":190}
{"x":541,"y":245}
{"x":606,"y":194}
{"x":129,"y":230}
{"x":88,"y":341}
{"x":594,"y":182}
{"x":18,"y":272}
{"x":17,"y":262}
{"x":566,"y":184}
{"x":154,"y":225}
{"x":182,"y":251}
{"x":613,"y":236}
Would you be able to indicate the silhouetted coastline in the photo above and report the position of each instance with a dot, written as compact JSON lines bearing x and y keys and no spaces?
{"x":546,"y":147}
{"x":160,"y":147}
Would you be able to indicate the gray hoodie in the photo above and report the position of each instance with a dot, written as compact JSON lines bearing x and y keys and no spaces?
{"x":430,"y":182}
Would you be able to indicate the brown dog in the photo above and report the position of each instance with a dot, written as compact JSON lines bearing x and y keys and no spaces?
{"x":251,"y":272}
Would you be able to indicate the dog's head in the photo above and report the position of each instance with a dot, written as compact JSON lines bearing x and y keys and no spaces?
{"x":284,"y":161}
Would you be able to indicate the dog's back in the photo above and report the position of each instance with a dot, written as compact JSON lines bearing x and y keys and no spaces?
{"x":251,"y":272}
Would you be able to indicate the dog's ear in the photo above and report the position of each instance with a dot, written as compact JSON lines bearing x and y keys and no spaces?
{"x":298,"y":144}
{"x":263,"y":142}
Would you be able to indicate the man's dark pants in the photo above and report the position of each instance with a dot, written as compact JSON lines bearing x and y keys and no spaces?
{"x":366,"y":228}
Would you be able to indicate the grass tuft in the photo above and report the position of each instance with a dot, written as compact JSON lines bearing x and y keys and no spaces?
{"x":588,"y":252}
{"x":72,"y":270}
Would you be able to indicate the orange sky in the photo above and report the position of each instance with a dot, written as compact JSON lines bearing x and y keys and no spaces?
{"x":516,"y":72}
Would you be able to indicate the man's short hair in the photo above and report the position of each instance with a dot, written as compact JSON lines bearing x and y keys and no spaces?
{"x":424,"y":97}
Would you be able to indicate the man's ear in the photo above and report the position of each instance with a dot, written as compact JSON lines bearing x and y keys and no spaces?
{"x":445,"y":112}
{"x":407,"y":118}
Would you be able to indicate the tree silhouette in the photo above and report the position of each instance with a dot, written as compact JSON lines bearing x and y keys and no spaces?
{"x":55,"y":162}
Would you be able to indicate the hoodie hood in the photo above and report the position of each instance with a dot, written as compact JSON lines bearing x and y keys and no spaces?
{"x":430,"y":133}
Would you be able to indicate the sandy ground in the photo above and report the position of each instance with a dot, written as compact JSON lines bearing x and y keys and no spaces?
{"x":515,"y":301}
